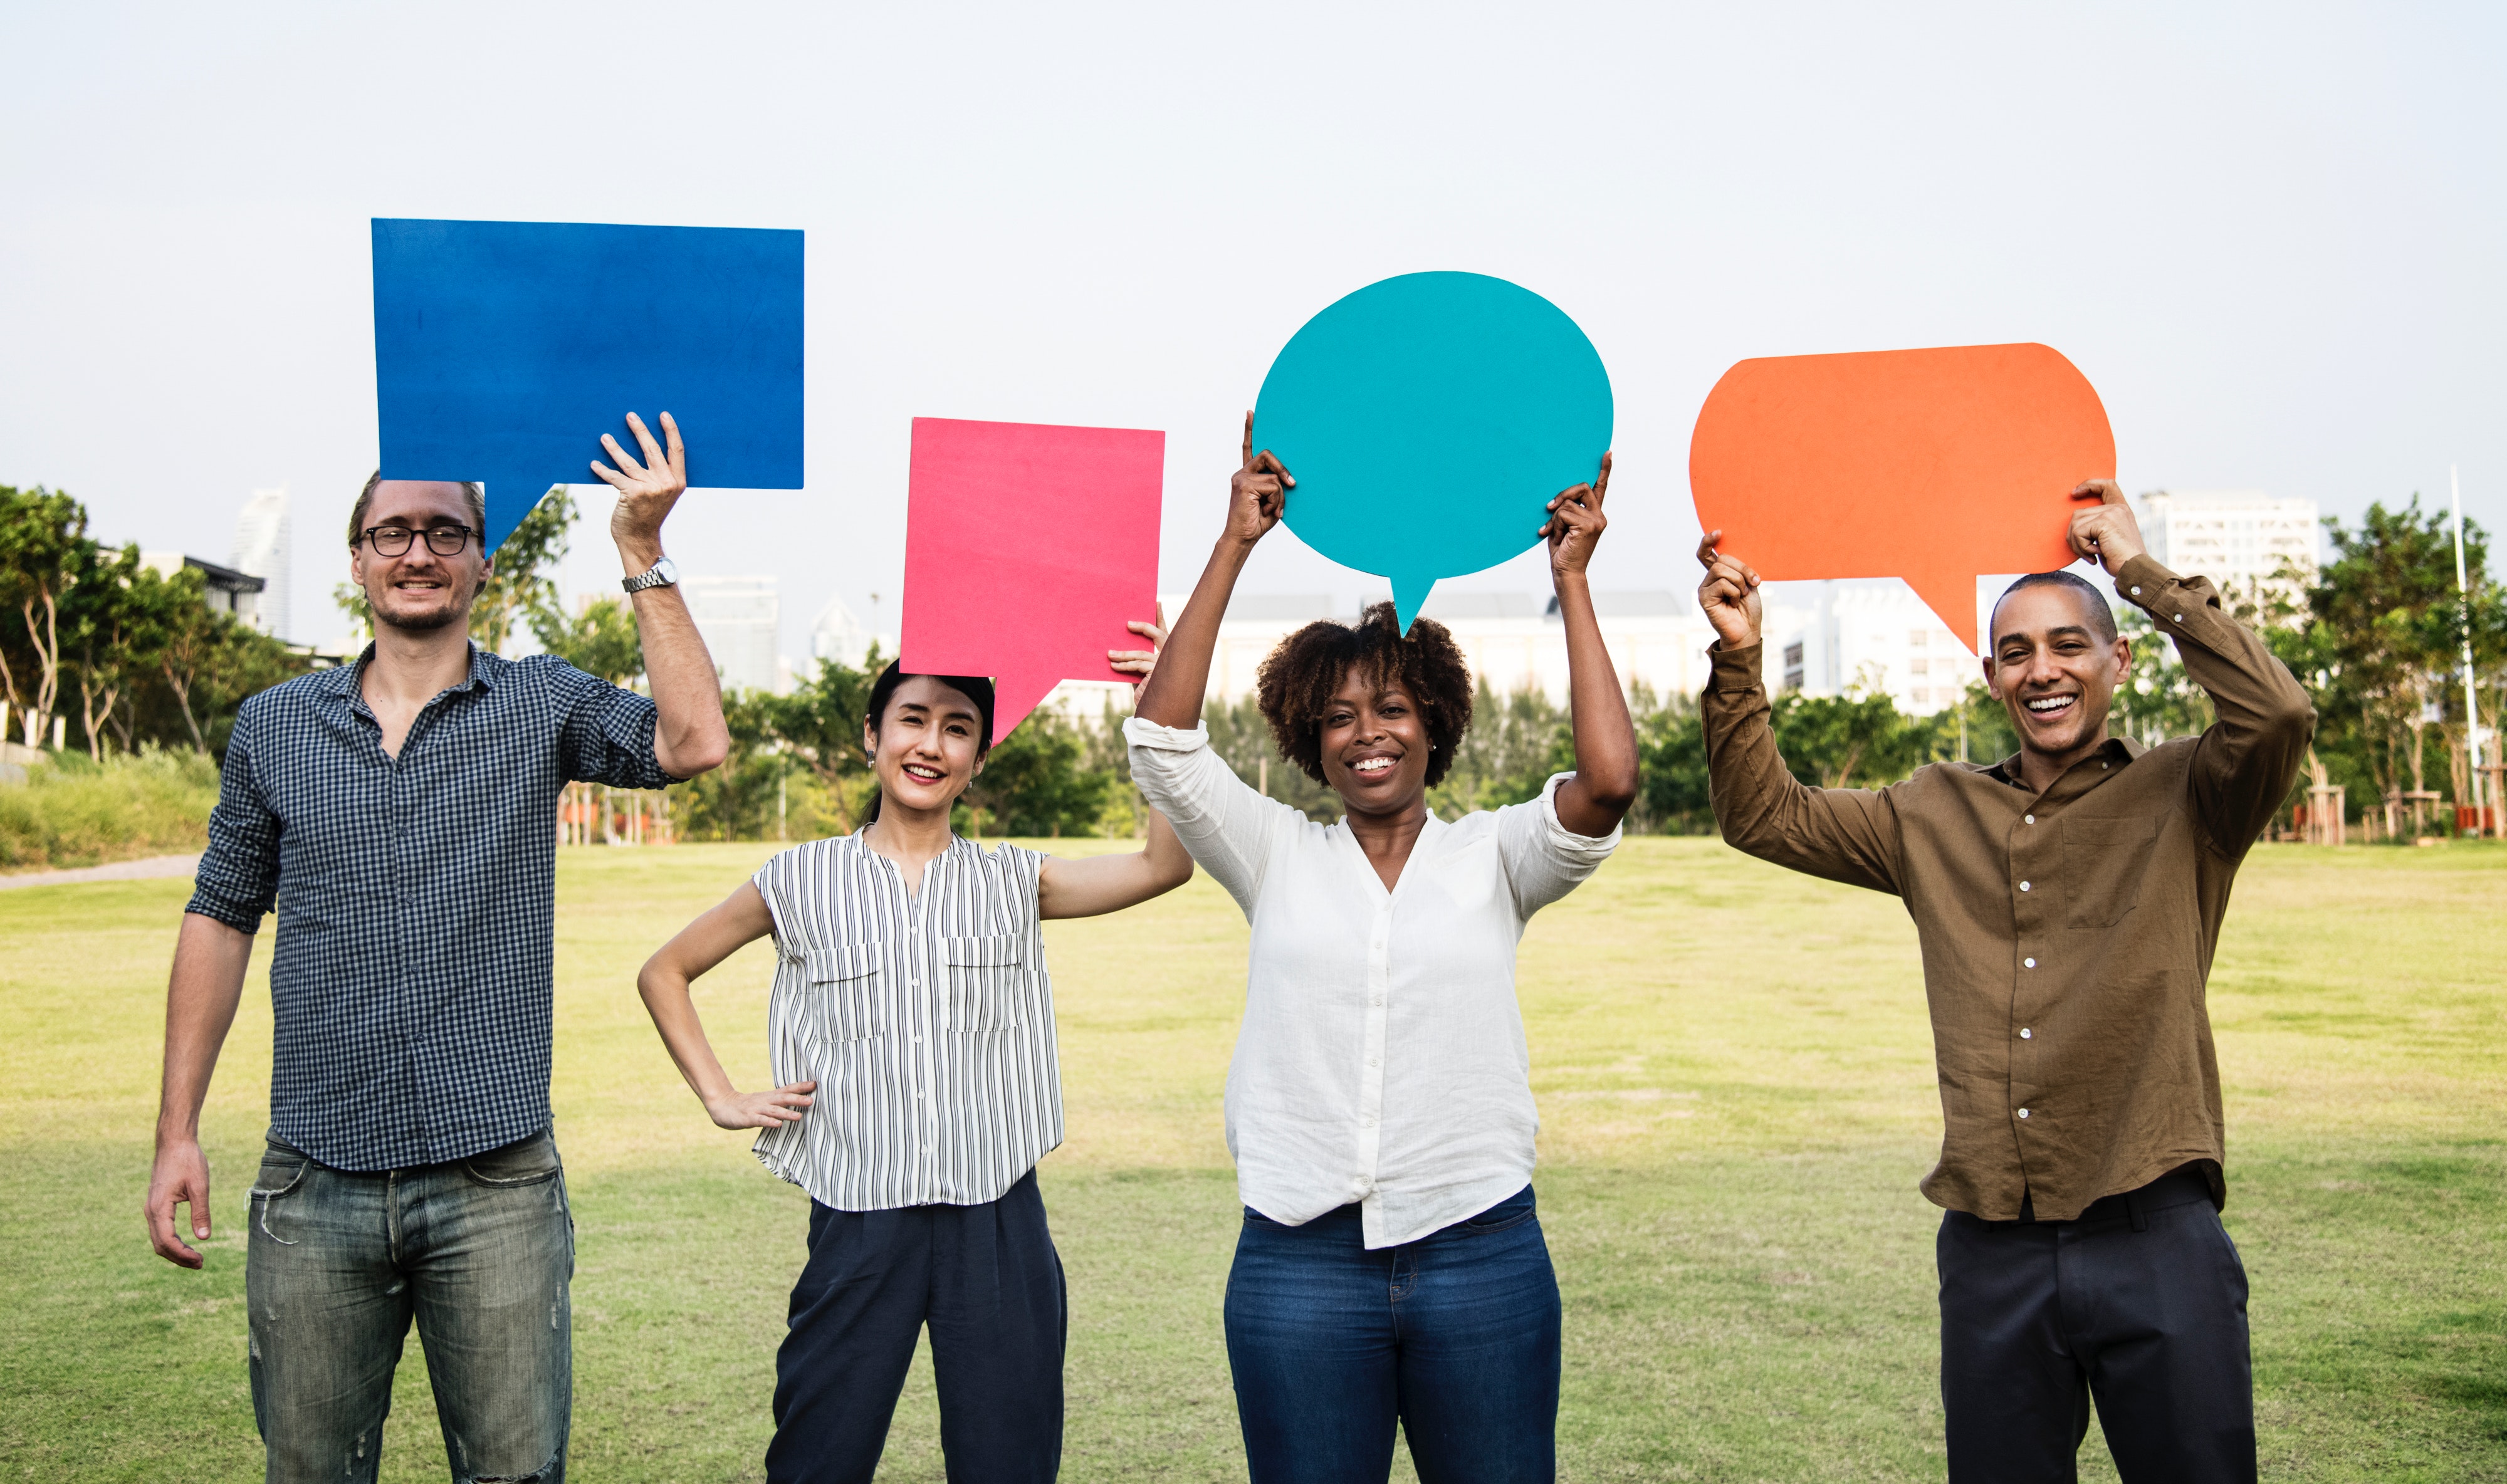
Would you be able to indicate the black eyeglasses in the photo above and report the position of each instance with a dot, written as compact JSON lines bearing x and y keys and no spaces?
{"x":393,"y":540}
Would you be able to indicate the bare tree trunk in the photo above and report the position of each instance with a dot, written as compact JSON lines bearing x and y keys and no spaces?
{"x":182,"y":689}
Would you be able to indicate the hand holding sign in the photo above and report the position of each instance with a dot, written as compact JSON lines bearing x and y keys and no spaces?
{"x":1937,"y":467}
{"x":1031,"y":554}
{"x":501,"y":347}
{"x":1430,"y":418}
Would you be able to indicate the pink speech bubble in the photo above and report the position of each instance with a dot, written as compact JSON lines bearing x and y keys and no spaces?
{"x":1028,"y":548}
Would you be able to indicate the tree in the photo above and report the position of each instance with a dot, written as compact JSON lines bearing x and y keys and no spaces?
{"x":2158,"y":699}
{"x":519,"y":585}
{"x":601,"y":639}
{"x":821,"y":723}
{"x":1034,"y":784}
{"x":118,"y":615}
{"x":1830,"y":741}
{"x":44,"y":547}
{"x":1671,"y":768}
{"x":2384,"y":637}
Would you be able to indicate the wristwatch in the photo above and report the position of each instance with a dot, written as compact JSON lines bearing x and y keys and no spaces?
{"x":660,"y":574}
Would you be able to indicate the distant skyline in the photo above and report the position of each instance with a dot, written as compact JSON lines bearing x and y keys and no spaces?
{"x":2269,"y":237}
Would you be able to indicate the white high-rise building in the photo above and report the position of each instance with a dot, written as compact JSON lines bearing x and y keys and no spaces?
{"x":1876,"y":635}
{"x":838,"y":635}
{"x":738,"y":617}
{"x":2238,"y":538}
{"x":265,"y":546}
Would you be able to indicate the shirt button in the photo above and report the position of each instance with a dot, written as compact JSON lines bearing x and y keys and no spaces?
{"x":1373,"y":1061}
{"x":2023,"y":1112}
{"x":2030,"y":819}
{"x":2024,"y":885}
{"x":2180,"y":618}
{"x":2023,"y":1035}
{"x":2136,"y":592}
{"x":2027,"y":963}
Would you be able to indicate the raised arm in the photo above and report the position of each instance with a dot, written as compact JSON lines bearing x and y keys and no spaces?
{"x":2245,"y":763}
{"x":740,"y":920}
{"x":1595,"y":800}
{"x":1257,"y":496}
{"x":690,"y":736}
{"x":1848,"y":835}
{"x":1100,"y":884}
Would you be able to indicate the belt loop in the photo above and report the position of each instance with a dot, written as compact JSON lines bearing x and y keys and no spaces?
{"x":2132,"y":1208}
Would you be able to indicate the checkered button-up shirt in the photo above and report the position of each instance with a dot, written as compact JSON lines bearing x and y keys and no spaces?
{"x":410,"y":980}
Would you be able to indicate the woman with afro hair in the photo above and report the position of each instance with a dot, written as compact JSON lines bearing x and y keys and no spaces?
{"x":1391,"y":1271}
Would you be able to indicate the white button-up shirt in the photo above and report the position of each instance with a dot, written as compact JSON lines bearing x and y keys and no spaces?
{"x":1382,"y":1059}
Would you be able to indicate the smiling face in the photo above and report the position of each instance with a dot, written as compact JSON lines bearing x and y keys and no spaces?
{"x":419,"y":590}
{"x":926,"y":747}
{"x":2054,"y":668}
{"x":1374,"y":744}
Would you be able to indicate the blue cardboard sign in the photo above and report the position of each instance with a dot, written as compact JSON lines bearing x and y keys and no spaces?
{"x":503,"y":350}
{"x":1428,"y":419}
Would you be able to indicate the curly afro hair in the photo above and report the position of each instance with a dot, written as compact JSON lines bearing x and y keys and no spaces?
{"x":1298,"y":679}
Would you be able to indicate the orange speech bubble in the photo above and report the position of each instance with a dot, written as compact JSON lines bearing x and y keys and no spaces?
{"x":1937,"y":467}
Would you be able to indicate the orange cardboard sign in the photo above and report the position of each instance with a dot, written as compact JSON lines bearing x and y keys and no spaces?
{"x":1937,"y":467}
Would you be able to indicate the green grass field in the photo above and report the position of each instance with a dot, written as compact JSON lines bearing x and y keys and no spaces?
{"x":1736,"y":1083}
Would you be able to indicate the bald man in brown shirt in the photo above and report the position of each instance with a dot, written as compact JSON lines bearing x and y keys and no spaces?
{"x":2067,"y":900}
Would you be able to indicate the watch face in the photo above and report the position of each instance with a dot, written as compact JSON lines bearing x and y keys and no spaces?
{"x":665,"y":571}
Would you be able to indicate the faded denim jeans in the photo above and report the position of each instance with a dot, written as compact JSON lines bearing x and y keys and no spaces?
{"x":479,"y":1251}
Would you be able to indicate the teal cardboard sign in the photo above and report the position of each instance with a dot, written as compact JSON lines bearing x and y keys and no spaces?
{"x":1428,"y":419}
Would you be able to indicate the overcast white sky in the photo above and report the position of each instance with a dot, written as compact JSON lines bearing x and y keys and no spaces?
{"x":2271,"y":235}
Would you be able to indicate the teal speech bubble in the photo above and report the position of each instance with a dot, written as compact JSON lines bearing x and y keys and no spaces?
{"x":1428,"y":419}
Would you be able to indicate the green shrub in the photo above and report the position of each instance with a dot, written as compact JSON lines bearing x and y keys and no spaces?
{"x":72,"y":812}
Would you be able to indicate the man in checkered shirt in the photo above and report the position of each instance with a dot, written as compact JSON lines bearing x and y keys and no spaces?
{"x":401,"y":816}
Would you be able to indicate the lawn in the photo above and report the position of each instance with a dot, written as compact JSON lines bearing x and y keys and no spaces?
{"x":1736,"y":1092}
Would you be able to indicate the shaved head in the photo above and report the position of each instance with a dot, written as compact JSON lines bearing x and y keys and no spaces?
{"x":2100,"y":617}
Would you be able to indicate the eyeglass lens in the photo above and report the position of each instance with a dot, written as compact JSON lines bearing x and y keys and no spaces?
{"x":443,"y":540}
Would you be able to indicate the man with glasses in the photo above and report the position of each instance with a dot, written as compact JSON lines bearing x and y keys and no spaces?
{"x":401,"y":816}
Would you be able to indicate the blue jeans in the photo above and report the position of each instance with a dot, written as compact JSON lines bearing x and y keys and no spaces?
{"x":478,"y":1252}
{"x":1455,"y":1336}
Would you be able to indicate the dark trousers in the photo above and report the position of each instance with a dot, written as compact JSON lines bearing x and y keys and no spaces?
{"x":2140,"y":1303}
{"x":988,"y":1281}
{"x":1454,"y":1336}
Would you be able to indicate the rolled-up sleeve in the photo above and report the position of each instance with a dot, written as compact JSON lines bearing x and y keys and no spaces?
{"x":238,"y":879}
{"x":1227,"y":825}
{"x":1545,"y":860}
{"x":606,"y":736}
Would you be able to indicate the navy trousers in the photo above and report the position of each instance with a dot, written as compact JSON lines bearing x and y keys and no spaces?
{"x":987,"y":1281}
{"x":2140,"y":1303}
{"x":1454,"y":1337}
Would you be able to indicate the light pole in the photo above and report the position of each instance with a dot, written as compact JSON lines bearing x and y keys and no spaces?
{"x":2471,"y":696}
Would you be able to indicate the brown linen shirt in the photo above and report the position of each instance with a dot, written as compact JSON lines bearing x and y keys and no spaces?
{"x":2066,"y":935}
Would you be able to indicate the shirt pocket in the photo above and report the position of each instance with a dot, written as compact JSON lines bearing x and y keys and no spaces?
{"x":844,"y":997}
{"x":1470,"y":875}
{"x":2105,"y":861}
{"x":985,"y":973}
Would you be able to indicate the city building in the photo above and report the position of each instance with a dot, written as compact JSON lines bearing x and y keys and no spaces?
{"x":1868,"y":636}
{"x":265,"y":546}
{"x":227,"y":590}
{"x":2241,"y":539}
{"x":837,"y":634}
{"x":739,"y":618}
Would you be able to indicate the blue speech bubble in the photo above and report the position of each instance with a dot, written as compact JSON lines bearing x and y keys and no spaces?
{"x":503,"y":350}
{"x":1428,"y":419}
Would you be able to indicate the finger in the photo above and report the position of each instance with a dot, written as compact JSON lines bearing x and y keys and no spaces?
{"x":678,"y":450}
{"x":623,"y":462}
{"x":653,"y":458}
{"x":1601,"y":483}
{"x":1706,"y":548}
{"x":1246,"y":459}
{"x":200,"y":1208}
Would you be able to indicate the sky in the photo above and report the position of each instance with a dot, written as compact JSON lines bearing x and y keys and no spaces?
{"x":2270,"y":236}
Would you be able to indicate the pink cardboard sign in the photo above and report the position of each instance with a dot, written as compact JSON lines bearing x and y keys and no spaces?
{"x":1028,"y":548}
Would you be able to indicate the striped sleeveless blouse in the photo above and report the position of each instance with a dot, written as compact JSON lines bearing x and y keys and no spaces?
{"x":926,"y":1020}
